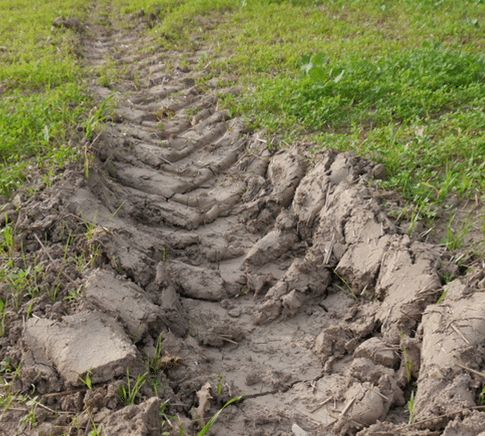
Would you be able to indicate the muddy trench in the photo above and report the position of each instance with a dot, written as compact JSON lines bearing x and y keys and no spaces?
{"x":212,"y":266}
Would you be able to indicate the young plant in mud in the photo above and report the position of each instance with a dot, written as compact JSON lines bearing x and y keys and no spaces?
{"x":219,"y":384}
{"x":95,"y":431}
{"x":7,"y":379}
{"x":410,"y":407}
{"x":22,"y":280}
{"x":481,"y":397}
{"x":3,"y":316}
{"x":442,"y":297}
{"x":166,"y":424}
{"x":87,"y":381}
{"x":96,"y":118}
{"x":6,"y":240}
{"x":128,"y":396}
{"x":154,"y":361}
{"x":30,"y":419}
{"x":214,"y":418}
{"x":211,"y":422}
{"x":74,"y":295}
{"x":455,"y":238}
{"x":348,"y":289}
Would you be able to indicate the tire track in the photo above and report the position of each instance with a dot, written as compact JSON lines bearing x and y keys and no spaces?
{"x":281,"y":274}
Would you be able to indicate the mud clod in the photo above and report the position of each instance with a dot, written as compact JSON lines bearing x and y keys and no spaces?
{"x":78,"y":343}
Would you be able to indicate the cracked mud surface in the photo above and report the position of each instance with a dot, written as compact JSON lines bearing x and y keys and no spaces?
{"x":278,"y":271}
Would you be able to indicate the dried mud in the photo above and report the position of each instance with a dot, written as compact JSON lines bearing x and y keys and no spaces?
{"x":277,"y":275}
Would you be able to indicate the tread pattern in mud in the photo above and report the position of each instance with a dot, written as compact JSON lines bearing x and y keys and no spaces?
{"x":278,"y":269}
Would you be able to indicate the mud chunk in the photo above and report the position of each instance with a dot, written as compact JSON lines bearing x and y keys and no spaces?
{"x":368,"y":405}
{"x":379,"y":172}
{"x":259,"y":282}
{"x":285,"y":171}
{"x":365,"y":370}
{"x":141,"y":420}
{"x":387,"y":428}
{"x":78,"y":343}
{"x":272,"y":246}
{"x":268,"y":311}
{"x":130,"y":257}
{"x":292,"y":302}
{"x":408,"y":281}
{"x":301,"y":277}
{"x":197,"y":282}
{"x":467,"y":426}
{"x":222,"y":334}
{"x":311,"y":194}
{"x":234,"y":313}
{"x":366,"y":224}
{"x":188,"y":81}
{"x":360,"y":264}
{"x":378,"y":352}
{"x":174,"y":315}
{"x":123,"y":299}
{"x":253,"y":378}
{"x":453,"y":334}
{"x":340,"y":169}
{"x":330,"y":344}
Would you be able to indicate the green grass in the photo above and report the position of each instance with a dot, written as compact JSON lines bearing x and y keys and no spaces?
{"x":42,"y":96}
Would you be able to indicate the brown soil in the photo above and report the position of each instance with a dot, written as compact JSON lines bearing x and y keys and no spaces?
{"x":278,"y":275}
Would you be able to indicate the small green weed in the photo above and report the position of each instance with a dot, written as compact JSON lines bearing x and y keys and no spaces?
{"x":95,"y":431}
{"x":30,"y":418}
{"x":348,"y":289}
{"x":442,"y":297}
{"x":87,"y":380}
{"x":219,"y":383}
{"x":74,"y":295}
{"x":166,"y":423}
{"x":128,"y":396}
{"x":407,"y":362}
{"x":7,"y":379}
{"x":482,"y":396}
{"x":7,"y":241}
{"x":410,"y":408}
{"x":96,"y":117}
{"x":22,"y":282}
{"x":214,"y":418}
{"x":3,"y":316}
{"x":154,"y":361}
{"x":456,"y":237}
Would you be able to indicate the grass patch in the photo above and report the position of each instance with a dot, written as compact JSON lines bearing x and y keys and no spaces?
{"x":42,"y":96}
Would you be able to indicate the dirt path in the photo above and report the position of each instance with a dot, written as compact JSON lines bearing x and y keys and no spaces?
{"x":277,"y":275}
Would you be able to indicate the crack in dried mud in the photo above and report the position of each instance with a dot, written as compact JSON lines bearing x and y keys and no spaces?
{"x":284,"y":276}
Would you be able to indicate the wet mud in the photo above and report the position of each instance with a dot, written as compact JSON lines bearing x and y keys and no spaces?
{"x":211,"y":259}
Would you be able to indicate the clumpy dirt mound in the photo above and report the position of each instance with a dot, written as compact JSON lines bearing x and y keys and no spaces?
{"x":201,"y":265}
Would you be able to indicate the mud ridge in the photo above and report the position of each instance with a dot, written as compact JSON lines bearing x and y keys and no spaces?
{"x":274,"y":274}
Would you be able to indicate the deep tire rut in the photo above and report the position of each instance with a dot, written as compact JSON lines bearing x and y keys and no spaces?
{"x":278,"y":271}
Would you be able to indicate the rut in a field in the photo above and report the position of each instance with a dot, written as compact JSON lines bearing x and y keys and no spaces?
{"x":272,"y":272}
